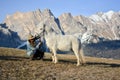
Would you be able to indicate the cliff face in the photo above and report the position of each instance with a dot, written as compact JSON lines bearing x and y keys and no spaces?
{"x":100,"y":25}
{"x":24,"y":23}
{"x":8,"y":38}
{"x":70,"y":25}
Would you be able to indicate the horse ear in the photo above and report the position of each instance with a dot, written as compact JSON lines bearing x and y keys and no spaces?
{"x":44,"y":26}
{"x":44,"y":30}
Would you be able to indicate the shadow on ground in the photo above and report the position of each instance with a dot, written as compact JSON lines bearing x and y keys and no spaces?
{"x":13,"y":58}
{"x":17,"y":58}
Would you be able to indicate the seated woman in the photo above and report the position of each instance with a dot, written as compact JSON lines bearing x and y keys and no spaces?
{"x":33,"y":48}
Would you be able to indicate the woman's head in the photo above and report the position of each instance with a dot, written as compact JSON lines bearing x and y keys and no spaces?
{"x":31,"y":40}
{"x":30,"y":37}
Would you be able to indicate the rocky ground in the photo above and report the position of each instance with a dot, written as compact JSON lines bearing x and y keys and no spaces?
{"x":14,"y":65}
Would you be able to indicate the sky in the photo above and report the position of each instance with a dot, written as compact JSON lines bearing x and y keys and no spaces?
{"x":58,"y":7}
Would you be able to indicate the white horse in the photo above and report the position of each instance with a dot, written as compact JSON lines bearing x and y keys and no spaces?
{"x":57,"y":42}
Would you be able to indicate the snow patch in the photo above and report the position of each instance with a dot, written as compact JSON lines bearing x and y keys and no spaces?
{"x":109,"y":14}
{"x":103,"y":17}
{"x":95,"y":18}
{"x":86,"y":37}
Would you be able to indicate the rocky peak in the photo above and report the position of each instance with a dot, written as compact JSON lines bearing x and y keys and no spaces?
{"x":70,"y":25}
{"x":66,"y":15}
{"x":109,"y":14}
{"x":47,"y":12}
{"x":100,"y":16}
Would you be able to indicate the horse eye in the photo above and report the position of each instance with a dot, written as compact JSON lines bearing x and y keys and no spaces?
{"x":41,"y":29}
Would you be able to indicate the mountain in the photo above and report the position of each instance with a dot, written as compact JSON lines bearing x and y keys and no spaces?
{"x":8,"y":38}
{"x":107,"y":24}
{"x":24,"y":23}
{"x":95,"y":28}
{"x":70,"y":25}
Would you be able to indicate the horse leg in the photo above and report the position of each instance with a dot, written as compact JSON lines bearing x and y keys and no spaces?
{"x":78,"y":58}
{"x":55,"y":56}
{"x":82,"y":57}
{"x":53,"y":59}
{"x":76,"y":52}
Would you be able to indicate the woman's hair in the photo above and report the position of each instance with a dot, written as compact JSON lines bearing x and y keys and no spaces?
{"x":32,"y":42}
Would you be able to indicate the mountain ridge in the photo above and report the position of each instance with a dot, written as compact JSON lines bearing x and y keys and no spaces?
{"x":106,"y":27}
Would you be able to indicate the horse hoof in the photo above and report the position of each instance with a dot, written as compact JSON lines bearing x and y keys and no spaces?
{"x":78,"y":64}
{"x":55,"y":62}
